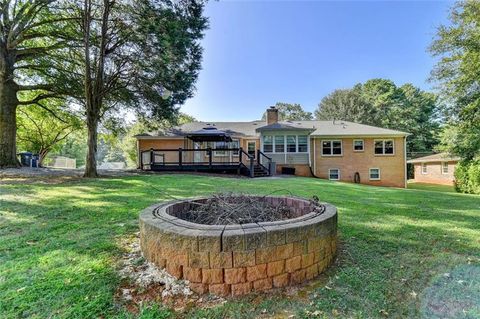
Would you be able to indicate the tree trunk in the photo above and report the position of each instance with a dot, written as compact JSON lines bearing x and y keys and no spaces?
{"x":8,"y":122}
{"x":91,"y":161}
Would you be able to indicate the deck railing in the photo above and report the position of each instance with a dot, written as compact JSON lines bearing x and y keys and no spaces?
{"x":264,"y":161}
{"x":198,"y":156}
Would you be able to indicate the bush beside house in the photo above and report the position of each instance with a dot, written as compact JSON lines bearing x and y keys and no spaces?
{"x":467,"y":177}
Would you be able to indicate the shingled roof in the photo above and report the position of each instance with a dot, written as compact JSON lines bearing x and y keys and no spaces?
{"x":440,"y":157}
{"x":317,"y":128}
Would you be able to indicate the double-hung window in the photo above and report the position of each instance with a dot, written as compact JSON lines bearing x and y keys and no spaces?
{"x":302,"y":143}
{"x":384,"y":147}
{"x":279,"y":144}
{"x":334,"y":174}
{"x":424,"y":168}
{"x":374,"y":174}
{"x":268,"y":143}
{"x":332,"y":148}
{"x":444,"y":167}
{"x":291,"y":143}
{"x":358,"y":145}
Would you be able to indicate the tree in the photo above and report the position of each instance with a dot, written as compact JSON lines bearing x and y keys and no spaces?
{"x":379,"y":102}
{"x":41,"y":133}
{"x":347,"y":105}
{"x":32,"y":32}
{"x":139,"y":54}
{"x":457,"y":72}
{"x":291,"y":112}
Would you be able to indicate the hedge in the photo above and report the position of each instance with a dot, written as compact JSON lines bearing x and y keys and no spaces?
{"x":467,"y":177}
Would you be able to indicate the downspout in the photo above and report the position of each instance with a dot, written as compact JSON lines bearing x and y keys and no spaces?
{"x":314,"y":161}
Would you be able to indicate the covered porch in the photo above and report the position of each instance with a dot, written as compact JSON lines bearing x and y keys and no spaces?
{"x":208,"y":150}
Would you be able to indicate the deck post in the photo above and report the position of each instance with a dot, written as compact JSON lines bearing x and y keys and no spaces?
{"x":209,"y":151}
{"x":240,"y":155}
{"x":151,"y":158}
{"x":180,"y":157}
{"x":252,"y":171}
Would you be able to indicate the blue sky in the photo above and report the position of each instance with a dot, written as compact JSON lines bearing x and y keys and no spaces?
{"x":257,"y":53}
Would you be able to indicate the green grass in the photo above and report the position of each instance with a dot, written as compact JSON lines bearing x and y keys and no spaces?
{"x":431,"y":187}
{"x":60,"y":245}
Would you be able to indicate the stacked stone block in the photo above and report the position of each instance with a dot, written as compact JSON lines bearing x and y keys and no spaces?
{"x":238,"y":259}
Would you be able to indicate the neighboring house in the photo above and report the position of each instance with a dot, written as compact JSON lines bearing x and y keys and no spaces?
{"x":335,"y":150}
{"x":435,"y":169}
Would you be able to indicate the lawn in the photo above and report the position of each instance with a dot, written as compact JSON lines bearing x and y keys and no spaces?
{"x":403,"y":253}
{"x":431,"y":187}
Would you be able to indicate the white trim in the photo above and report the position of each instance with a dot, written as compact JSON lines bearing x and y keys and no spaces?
{"x":330,"y":169}
{"x":441,"y":168}
{"x":314,"y":158}
{"x":383,"y":146}
{"x":331,"y":155}
{"x":363,"y":145}
{"x":370,"y":174}
{"x":284,"y":144}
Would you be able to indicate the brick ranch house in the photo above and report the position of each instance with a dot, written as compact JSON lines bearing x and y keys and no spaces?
{"x":435,"y":169}
{"x":335,"y":150}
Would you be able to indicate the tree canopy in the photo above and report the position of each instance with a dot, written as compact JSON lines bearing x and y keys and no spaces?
{"x":380,"y":102}
{"x":457,"y":46}
{"x":291,"y":112}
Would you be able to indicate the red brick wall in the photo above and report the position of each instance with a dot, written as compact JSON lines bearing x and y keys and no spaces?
{"x":434,"y":173}
{"x":392,"y":167}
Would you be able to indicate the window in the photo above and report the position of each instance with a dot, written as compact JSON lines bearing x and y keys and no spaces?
{"x":445,"y":167}
{"x":235,"y":144}
{"x":279,"y":144}
{"x":424,"y":168}
{"x":291,"y":143}
{"x":374,"y":174}
{"x":334,"y":174}
{"x":302,"y":143}
{"x":358,"y":145}
{"x":384,"y":147}
{"x":330,"y":148}
{"x":268,"y":144}
{"x":220,"y":145}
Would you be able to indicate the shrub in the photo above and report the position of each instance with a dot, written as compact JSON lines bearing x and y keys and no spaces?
{"x":467,"y":177}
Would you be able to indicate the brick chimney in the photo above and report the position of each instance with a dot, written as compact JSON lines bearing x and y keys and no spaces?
{"x":272,"y":115}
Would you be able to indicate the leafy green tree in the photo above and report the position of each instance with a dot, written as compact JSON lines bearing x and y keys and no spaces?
{"x":32,"y":33}
{"x":347,"y":105}
{"x":457,"y":46}
{"x":379,"y":102}
{"x":39,"y":132}
{"x":291,"y":112}
{"x":143,"y":55}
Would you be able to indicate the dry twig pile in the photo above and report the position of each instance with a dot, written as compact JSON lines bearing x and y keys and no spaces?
{"x":229,"y":208}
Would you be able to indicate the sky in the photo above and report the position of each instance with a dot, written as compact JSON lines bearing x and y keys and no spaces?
{"x":257,"y":53}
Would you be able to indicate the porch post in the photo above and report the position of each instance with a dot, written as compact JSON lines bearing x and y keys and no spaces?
{"x":151,"y":158}
{"x":252,"y":171}
{"x":180,"y":157}
{"x":240,"y":154}
{"x":209,"y":150}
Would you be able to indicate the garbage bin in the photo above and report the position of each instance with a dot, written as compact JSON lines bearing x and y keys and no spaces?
{"x":35,"y":160}
{"x":28,"y":159}
{"x":25,"y":158}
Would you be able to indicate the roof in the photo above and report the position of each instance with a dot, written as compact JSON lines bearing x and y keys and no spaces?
{"x":318,"y":128}
{"x":440,"y":157}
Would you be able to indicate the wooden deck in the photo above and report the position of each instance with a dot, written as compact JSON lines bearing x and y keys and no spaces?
{"x":235,"y":161}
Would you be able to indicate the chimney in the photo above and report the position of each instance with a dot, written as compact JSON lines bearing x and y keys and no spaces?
{"x":272,"y":115}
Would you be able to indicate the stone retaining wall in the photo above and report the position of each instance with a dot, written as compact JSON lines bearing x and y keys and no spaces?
{"x":237,"y":259}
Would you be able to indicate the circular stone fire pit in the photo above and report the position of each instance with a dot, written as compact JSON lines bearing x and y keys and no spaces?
{"x":236,"y":259}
